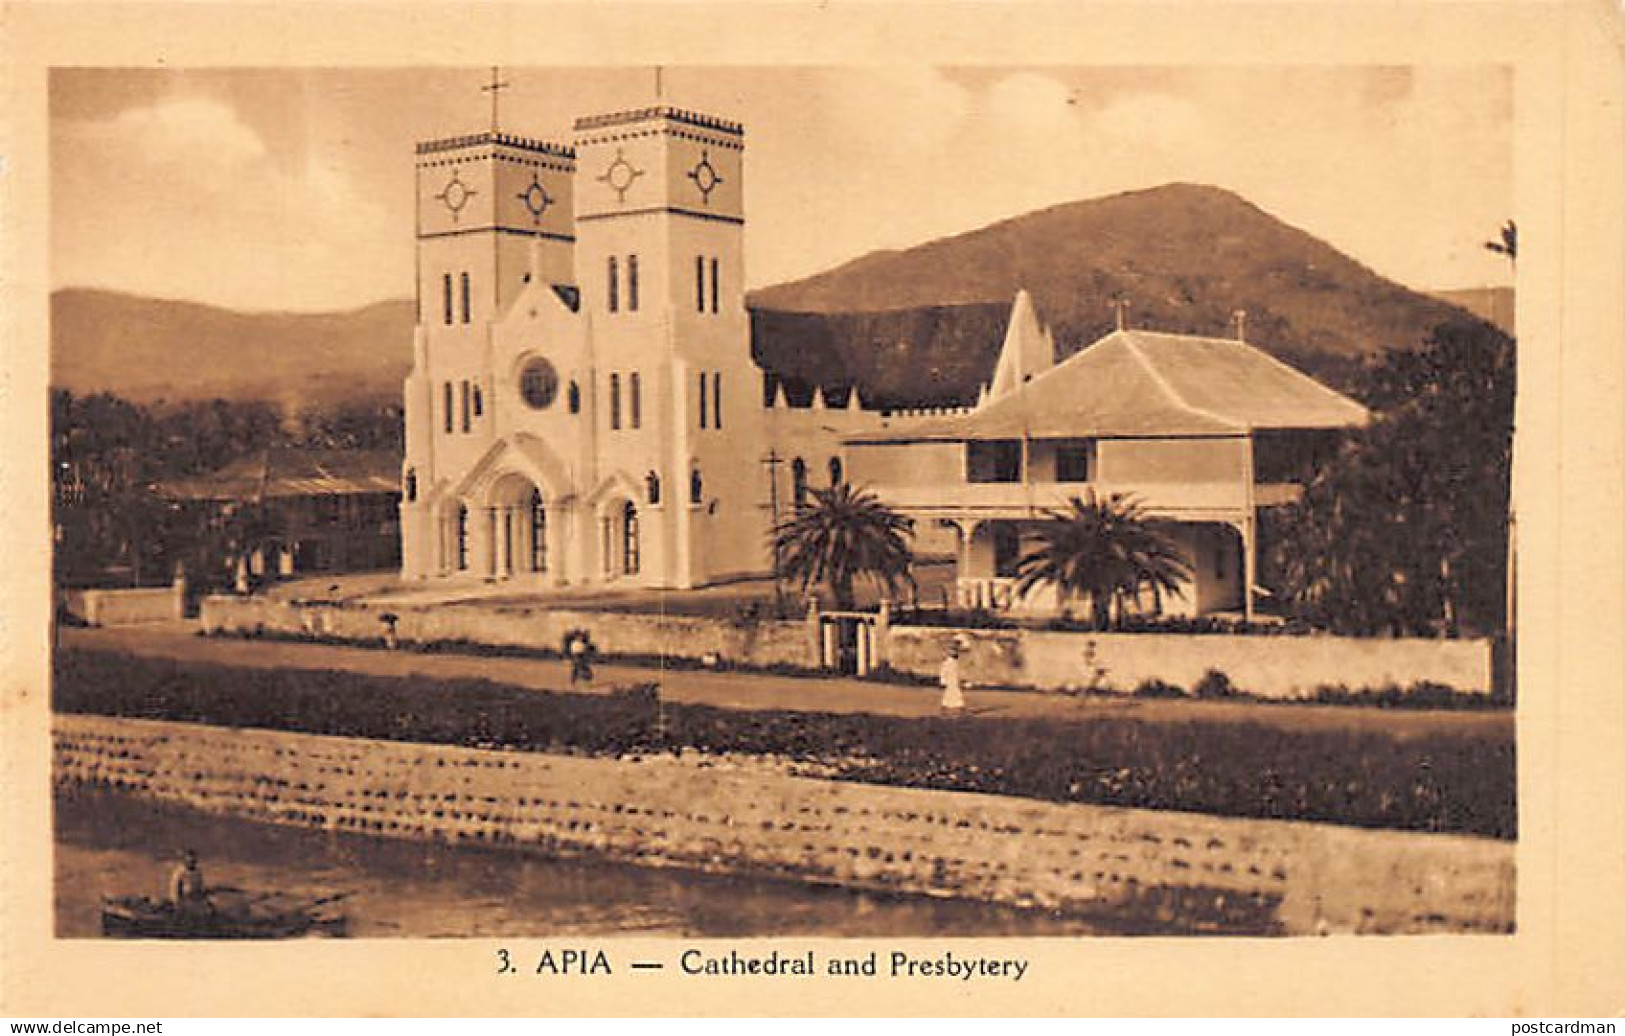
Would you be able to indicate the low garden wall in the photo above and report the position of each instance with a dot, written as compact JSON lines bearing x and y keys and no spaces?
{"x":1282,"y":666}
{"x":1267,"y":666}
{"x":615,"y":633}
{"x":1162,"y":871}
{"x":124,"y":606}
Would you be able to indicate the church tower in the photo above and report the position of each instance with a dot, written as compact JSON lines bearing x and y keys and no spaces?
{"x":493,"y":211}
{"x":660,"y":259}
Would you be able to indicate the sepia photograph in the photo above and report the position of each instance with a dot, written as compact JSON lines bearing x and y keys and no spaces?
{"x":678,"y":515}
{"x":755,"y":501}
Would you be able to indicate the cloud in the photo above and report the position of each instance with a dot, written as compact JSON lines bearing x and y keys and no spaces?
{"x":183,"y":198}
{"x":179,"y":130}
{"x":1028,"y":101}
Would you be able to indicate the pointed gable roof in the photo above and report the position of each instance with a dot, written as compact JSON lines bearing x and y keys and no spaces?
{"x":1028,"y":350}
{"x":1143,"y":383}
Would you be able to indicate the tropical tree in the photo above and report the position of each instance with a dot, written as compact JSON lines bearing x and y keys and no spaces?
{"x":1405,"y":531}
{"x":1105,"y":549}
{"x":1508,"y":245}
{"x":840,"y":535}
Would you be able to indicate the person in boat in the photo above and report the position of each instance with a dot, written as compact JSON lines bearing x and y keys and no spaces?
{"x":188,"y":893}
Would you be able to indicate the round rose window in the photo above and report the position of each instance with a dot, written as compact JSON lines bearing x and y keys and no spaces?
{"x":538,"y":383}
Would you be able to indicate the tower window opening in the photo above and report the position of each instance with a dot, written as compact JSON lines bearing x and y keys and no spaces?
{"x":614,"y":285}
{"x":798,"y":483}
{"x":651,"y":483}
{"x":696,"y":486}
{"x":702,"y":400}
{"x":631,"y":547}
{"x":575,"y":398}
{"x":632,"y":283}
{"x":699,"y":283}
{"x":716,"y":399}
{"x":479,"y":401}
{"x":411,"y":485}
{"x":636,"y":388}
{"x":467,"y":300}
{"x":447,"y":400}
{"x":835,"y":472}
{"x":467,"y":424}
{"x":714,"y":279}
{"x":615,"y":401}
{"x":445,"y":291}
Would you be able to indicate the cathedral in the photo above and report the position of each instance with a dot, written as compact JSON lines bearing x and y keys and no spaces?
{"x":583,"y":407}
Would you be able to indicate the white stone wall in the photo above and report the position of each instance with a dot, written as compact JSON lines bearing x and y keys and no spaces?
{"x":1155,"y":867}
{"x":1268,"y":666}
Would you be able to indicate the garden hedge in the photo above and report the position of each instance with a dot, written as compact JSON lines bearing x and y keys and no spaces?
{"x":1449,"y":781}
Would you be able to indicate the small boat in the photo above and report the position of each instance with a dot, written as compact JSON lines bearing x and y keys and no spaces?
{"x":266,"y":916}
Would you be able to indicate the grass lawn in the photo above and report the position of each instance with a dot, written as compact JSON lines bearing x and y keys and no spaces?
{"x":1447,"y":772}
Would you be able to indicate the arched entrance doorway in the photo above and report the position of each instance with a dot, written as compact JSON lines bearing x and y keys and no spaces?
{"x":519,"y":521}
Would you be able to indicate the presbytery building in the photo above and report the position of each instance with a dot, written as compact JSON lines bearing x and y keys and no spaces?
{"x":584,"y":409}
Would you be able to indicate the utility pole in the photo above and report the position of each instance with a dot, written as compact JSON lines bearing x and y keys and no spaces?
{"x":772,"y":461}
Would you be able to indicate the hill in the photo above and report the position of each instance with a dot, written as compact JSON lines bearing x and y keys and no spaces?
{"x":147,"y":349}
{"x":925,"y":323}
{"x":1497,"y":305}
{"x":917,"y":326}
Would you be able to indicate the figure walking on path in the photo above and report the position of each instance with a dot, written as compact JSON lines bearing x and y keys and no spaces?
{"x":953,"y":697}
{"x":580,"y":649}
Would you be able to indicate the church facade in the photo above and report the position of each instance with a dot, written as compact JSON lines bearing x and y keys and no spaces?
{"x":583,"y":407}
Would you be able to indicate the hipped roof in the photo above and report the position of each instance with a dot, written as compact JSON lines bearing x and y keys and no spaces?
{"x":290,"y":471}
{"x":1145,"y":383}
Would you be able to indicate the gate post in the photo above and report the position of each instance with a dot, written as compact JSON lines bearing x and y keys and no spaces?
{"x":815,"y":632}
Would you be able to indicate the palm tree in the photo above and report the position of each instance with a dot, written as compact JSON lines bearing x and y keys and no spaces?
{"x":1105,"y":549}
{"x":1508,"y":245}
{"x":842,"y":533}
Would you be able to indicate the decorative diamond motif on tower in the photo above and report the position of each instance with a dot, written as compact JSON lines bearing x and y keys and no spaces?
{"x":536,"y":198}
{"x":705,"y":177}
{"x":620,"y":175}
{"x":455,"y":194}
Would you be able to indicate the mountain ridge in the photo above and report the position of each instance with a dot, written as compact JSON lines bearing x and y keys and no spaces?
{"x":912,"y":326}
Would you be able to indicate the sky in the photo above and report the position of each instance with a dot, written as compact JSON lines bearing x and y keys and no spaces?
{"x":291,"y":189}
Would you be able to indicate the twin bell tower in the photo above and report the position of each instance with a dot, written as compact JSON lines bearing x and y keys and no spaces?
{"x":583,"y":407}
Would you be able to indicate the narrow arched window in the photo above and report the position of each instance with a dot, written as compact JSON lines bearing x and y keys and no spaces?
{"x":651,"y":483}
{"x":411,"y":484}
{"x":538,"y":532}
{"x":631,"y":548}
{"x":575,"y":398}
{"x":462,"y":537}
{"x":468,"y":307}
{"x":632,"y":283}
{"x":798,"y":482}
{"x":696,"y":486}
{"x":614,"y":284}
{"x":445,"y":286}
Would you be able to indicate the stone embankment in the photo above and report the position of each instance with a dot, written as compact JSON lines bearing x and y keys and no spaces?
{"x":1139,"y":869}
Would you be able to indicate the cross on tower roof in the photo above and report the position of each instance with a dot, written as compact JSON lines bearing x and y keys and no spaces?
{"x":492,"y":87}
{"x":1121,"y":305}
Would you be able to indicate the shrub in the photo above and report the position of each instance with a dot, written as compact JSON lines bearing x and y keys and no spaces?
{"x":1214,"y":684}
{"x":1155,"y":688}
{"x":1460,"y":780}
